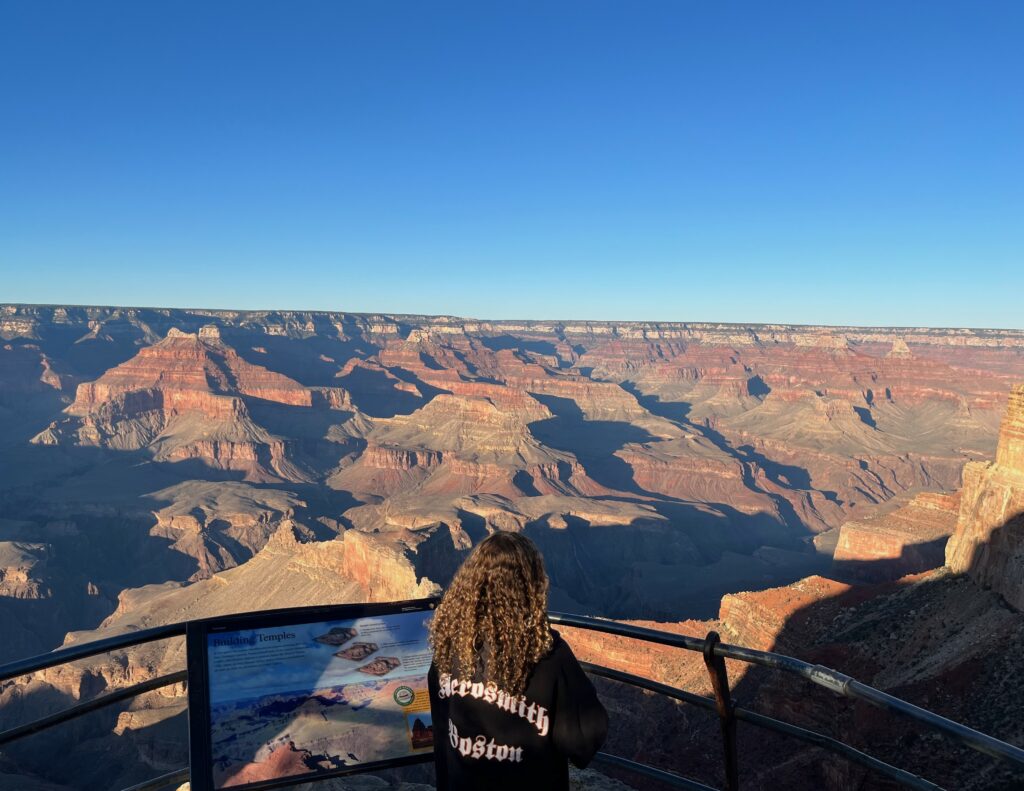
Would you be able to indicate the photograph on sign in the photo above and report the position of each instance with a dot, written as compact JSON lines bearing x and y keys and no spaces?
{"x":296,"y":699}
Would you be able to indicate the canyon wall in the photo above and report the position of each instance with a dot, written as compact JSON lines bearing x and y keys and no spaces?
{"x":988,"y":543}
{"x":906,"y":541}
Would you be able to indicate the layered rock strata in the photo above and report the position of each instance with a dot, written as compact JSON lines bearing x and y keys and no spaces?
{"x":988,"y":543}
{"x":906,"y":541}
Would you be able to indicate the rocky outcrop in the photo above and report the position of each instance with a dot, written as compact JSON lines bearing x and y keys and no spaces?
{"x":988,"y":543}
{"x":401,"y":459}
{"x":220,"y":524}
{"x":297,"y":571}
{"x":19,"y":577}
{"x":908,"y":540}
{"x":290,"y":571}
{"x":1010,"y":448}
{"x":702,"y":475}
{"x":187,"y":398}
{"x":186,"y":367}
{"x":757,"y":619}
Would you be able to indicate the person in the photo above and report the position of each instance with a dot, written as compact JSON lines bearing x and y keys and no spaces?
{"x":509,"y":702}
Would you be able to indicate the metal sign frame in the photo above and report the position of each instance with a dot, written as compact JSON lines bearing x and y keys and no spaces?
{"x":199,"y":732}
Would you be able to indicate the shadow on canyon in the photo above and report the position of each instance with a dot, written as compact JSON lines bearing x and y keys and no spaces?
{"x":593,"y":442}
{"x":497,"y":343}
{"x":374,"y":393}
{"x":88,"y":515}
{"x":313,"y":361}
{"x":789,"y":476}
{"x":87,"y":358}
{"x":650,"y":569}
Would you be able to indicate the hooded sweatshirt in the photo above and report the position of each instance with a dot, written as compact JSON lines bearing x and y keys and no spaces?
{"x":486,"y":738}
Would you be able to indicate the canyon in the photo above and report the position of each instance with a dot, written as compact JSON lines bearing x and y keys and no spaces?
{"x":801,"y":489}
{"x":944,"y":631}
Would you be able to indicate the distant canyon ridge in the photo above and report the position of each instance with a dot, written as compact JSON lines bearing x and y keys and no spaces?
{"x":158,"y":465}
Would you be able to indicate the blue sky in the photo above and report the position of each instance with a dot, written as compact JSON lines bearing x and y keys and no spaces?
{"x":847,"y":162}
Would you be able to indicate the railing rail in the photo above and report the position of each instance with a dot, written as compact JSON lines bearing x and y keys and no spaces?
{"x":76,"y":651}
{"x":905,"y":778}
{"x":837,"y":682}
{"x":169,"y":780}
{"x":713,"y":651}
{"x":91,"y":705}
{"x":668,"y":778}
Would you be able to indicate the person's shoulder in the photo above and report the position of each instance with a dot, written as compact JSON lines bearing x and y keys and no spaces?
{"x":560,"y":650}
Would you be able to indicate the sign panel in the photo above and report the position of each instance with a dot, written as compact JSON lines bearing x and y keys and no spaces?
{"x":292,"y":695}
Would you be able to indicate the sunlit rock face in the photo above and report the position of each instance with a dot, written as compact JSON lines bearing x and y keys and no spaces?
{"x":989,"y":540}
{"x":1010,"y":449}
{"x":905,"y":541}
{"x":187,"y":398}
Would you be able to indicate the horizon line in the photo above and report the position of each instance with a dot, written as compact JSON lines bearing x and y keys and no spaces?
{"x":454,"y":317}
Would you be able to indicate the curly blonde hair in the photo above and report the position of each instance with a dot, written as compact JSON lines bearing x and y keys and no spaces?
{"x":493,"y":617}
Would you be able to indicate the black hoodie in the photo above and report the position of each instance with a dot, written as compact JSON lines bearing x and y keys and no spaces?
{"x":485,"y":738}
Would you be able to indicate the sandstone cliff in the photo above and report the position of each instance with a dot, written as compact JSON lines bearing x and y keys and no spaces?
{"x":988,"y":543}
{"x":906,"y":541}
{"x":190,"y":397}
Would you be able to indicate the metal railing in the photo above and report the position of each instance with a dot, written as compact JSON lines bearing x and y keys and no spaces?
{"x":714,"y":653}
{"x":832,"y":680}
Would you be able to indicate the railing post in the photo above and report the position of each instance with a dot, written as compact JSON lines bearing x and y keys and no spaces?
{"x":727,"y":717}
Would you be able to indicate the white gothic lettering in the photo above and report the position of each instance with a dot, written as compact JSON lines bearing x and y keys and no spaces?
{"x":489,"y":693}
{"x":480,"y":747}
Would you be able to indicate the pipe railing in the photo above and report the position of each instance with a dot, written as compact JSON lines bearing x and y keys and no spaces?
{"x":832,"y":680}
{"x":854,"y":755}
{"x":714,"y":653}
{"x":76,"y":651}
{"x":91,"y":705}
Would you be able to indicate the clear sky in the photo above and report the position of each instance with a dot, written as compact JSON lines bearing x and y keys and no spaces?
{"x":809,"y":162}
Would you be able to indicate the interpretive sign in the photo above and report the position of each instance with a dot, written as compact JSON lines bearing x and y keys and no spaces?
{"x":287,"y":696}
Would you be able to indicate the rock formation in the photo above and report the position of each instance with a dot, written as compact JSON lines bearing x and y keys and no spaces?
{"x":906,"y":541}
{"x":988,"y":543}
{"x":186,"y":398}
{"x":936,"y":638}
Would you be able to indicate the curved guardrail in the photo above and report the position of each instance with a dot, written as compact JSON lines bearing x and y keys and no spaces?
{"x":832,"y":680}
{"x":905,"y":778}
{"x":714,"y":653}
{"x":77,"y":651}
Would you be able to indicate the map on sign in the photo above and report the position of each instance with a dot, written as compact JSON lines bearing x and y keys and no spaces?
{"x":301,"y":699}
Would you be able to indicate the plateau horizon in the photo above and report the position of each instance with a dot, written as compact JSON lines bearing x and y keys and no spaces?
{"x":541,"y":324}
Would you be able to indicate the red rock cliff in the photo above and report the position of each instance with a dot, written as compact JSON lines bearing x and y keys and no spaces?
{"x":988,"y":543}
{"x":906,"y":541}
